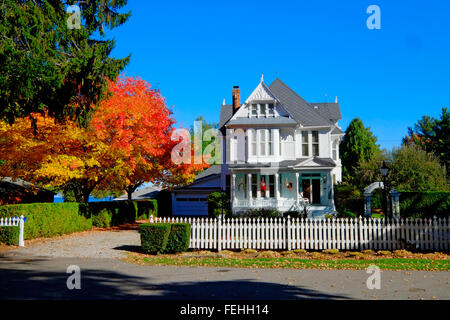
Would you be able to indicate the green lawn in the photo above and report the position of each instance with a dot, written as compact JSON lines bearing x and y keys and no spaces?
{"x":293,"y":263}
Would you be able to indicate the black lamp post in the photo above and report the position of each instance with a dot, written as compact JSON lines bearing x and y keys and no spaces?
{"x":384,"y":169}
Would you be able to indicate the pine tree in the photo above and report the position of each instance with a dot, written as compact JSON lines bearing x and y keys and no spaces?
{"x":51,"y":65}
{"x":358,"y":145}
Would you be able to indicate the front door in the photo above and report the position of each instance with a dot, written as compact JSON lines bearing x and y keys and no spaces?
{"x":316,"y":191}
{"x":311,"y":189}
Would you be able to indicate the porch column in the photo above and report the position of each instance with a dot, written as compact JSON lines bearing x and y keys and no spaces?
{"x":233,"y":185}
{"x":331,"y":186}
{"x":249,"y":188}
{"x":267,"y":192}
{"x":297,"y":189}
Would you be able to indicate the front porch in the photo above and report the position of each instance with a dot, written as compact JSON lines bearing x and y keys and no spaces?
{"x":285,"y":191}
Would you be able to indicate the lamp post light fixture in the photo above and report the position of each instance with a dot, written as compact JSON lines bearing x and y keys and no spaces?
{"x":384,"y":170}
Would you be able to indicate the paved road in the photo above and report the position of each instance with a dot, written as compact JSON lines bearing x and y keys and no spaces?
{"x":39,"y":272}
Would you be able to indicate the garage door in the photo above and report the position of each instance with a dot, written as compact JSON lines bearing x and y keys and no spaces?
{"x":191,"y":206}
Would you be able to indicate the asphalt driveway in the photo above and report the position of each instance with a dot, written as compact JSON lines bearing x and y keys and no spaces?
{"x":39,"y":271}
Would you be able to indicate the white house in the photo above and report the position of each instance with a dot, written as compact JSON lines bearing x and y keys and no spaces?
{"x":280,"y":151}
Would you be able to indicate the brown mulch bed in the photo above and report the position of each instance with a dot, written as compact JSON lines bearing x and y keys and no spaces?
{"x":317,"y":255}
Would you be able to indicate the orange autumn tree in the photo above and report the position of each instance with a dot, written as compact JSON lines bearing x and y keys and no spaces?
{"x":61,"y":156}
{"x":137,"y":125}
{"x":127,"y":143}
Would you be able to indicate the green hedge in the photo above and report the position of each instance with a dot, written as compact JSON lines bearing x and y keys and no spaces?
{"x":165,"y":237}
{"x":425,"y":204}
{"x":154,"y":237}
{"x":9,"y":235}
{"x":48,"y":219}
{"x":53,"y":219}
{"x":180,"y":234}
{"x":114,"y":213}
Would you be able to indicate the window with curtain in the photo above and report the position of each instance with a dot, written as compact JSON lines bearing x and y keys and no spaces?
{"x":334,"y":150}
{"x":271,"y":133}
{"x":263,"y":141}
{"x":253,"y":143}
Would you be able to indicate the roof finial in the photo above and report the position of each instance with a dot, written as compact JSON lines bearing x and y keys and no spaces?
{"x":223,"y":103}
{"x":335,"y":100}
{"x":262,"y":78}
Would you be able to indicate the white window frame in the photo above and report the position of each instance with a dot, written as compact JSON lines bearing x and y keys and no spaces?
{"x":305,"y":134}
{"x":253,"y":143}
{"x":263,"y":142}
{"x":315,"y":143}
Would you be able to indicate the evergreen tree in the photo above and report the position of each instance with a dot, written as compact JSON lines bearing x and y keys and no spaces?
{"x":433,"y":136}
{"x":51,"y":63}
{"x":358,"y":145}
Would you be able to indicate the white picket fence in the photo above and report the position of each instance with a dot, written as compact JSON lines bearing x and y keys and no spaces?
{"x":295,"y":233}
{"x":15,"y":222}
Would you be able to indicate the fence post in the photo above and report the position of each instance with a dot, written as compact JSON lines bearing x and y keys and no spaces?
{"x":21,"y":225}
{"x":288,"y":233}
{"x":219,"y":233}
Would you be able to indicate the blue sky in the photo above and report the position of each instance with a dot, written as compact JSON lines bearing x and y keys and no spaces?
{"x":196,"y":51}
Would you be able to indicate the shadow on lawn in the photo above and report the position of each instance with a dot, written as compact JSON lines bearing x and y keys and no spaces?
{"x":36,"y":282}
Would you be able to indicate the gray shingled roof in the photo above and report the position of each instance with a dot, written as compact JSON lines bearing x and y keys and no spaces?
{"x":226,"y":112}
{"x":302,"y":112}
{"x":328,"y":110}
{"x":141,"y":194}
{"x":214,"y":169}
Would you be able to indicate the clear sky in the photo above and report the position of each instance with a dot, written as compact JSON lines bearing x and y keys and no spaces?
{"x":196,"y":51}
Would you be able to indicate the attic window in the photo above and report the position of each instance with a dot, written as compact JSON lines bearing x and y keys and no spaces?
{"x":254,"y":110}
{"x":271,"y":111}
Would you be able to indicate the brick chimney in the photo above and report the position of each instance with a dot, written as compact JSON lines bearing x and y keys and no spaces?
{"x":236,"y":98}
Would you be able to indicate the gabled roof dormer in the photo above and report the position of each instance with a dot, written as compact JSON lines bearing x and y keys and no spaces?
{"x":261,"y":107}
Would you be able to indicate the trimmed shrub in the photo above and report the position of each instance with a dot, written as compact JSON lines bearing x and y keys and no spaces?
{"x":179,"y":237}
{"x":154,"y":236}
{"x":425,"y":204}
{"x":119,"y":211}
{"x":9,"y":235}
{"x":102,"y":219}
{"x":261,"y":213}
{"x":48,"y":219}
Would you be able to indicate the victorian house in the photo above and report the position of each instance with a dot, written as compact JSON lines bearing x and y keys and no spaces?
{"x":279,"y":152}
